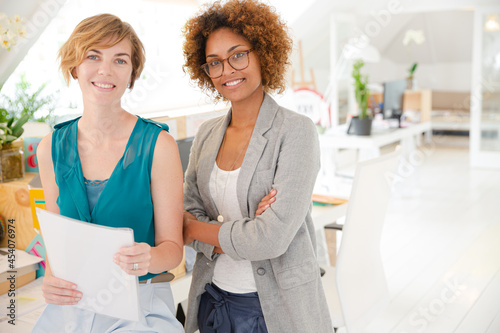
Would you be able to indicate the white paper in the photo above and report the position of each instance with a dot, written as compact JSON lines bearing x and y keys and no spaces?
{"x":29,"y":300}
{"x":82,"y":253}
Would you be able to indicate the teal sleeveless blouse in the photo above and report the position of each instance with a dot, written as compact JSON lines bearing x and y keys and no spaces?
{"x":125,"y":201}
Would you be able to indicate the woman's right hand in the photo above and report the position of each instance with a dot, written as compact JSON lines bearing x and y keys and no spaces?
{"x":187,"y":218}
{"x":58,"y":291}
{"x":266,"y":202}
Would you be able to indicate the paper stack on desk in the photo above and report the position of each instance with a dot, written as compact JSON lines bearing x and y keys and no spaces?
{"x":323,"y":200}
{"x":82,"y":253}
{"x":18,"y":267}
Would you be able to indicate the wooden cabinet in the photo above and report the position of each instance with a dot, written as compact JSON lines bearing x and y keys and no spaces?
{"x":413,"y":100}
{"x":418,"y":100}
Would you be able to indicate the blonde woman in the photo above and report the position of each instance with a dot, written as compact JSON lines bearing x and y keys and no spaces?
{"x":112,"y":168}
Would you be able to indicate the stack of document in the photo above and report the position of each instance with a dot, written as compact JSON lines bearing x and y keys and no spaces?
{"x":16,"y":268}
{"x":324,"y":200}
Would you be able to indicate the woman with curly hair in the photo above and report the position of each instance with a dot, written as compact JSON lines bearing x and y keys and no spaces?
{"x":248,"y":186}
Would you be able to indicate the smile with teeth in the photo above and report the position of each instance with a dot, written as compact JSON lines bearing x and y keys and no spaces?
{"x":233,"y":83}
{"x":103,"y":85}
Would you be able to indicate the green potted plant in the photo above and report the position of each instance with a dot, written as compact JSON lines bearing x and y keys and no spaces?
{"x":410,"y":77}
{"x":361,"y":124}
{"x":38,"y":106}
{"x":416,"y":37}
{"x":11,"y":151}
{"x":411,"y":70}
{"x":27,"y":104}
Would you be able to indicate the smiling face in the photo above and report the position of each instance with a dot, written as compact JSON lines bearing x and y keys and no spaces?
{"x":105,"y":73}
{"x":236,"y":86}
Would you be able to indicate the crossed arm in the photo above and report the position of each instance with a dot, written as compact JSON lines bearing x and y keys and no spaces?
{"x":209,"y":233}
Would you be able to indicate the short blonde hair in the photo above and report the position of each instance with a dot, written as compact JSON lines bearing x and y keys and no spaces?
{"x":97,"y":30}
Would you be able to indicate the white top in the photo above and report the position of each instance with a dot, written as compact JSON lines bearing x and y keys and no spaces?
{"x":235,"y":276}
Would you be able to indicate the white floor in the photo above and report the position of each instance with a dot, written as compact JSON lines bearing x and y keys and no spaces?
{"x":441,"y":245}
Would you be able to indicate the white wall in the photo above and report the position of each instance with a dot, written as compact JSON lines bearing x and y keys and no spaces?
{"x":438,"y":76}
{"x":445,"y":76}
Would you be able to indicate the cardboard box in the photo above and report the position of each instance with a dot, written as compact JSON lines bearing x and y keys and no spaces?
{"x":20,"y":280}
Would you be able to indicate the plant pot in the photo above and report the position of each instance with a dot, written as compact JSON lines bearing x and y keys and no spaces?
{"x":360,"y":126}
{"x":410,"y":84}
{"x":11,"y":162}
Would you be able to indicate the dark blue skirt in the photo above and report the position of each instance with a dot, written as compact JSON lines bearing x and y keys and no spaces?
{"x":224,"y":312}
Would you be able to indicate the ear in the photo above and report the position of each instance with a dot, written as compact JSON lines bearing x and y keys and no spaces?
{"x":74,"y":73}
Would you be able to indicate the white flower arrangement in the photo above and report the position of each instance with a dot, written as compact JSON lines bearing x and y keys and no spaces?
{"x":416,"y":36}
{"x":11,"y":29}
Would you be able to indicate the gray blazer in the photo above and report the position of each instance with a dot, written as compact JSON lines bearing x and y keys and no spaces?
{"x":283,"y":154}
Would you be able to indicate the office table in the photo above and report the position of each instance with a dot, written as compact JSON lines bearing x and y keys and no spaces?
{"x":369,"y":146}
{"x":323,"y":215}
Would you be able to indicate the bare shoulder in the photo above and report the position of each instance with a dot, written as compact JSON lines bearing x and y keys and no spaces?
{"x":166,"y":161}
{"x":44,"y":149}
{"x":165,"y":143}
{"x":166,"y":154}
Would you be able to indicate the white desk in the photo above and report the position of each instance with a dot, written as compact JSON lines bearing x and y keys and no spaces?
{"x":29,"y":304}
{"x":369,"y":146}
{"x":323,"y":215}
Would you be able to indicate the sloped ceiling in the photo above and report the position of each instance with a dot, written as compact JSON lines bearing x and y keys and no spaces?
{"x":36,"y":14}
{"x":447,"y":26}
{"x":448,"y":38}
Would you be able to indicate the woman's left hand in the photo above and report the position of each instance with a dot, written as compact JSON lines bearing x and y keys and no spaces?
{"x":134,"y":260}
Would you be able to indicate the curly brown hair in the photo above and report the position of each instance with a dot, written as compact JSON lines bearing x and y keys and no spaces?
{"x":257,"y":22}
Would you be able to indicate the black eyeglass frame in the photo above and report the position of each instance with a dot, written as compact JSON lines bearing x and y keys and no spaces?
{"x":206,"y":70}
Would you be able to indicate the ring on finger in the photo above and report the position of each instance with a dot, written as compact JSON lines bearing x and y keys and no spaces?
{"x":135,"y":267}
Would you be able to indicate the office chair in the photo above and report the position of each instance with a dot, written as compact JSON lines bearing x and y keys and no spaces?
{"x":356,"y":289}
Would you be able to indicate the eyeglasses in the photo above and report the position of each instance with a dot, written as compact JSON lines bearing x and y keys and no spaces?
{"x":238,"y":61}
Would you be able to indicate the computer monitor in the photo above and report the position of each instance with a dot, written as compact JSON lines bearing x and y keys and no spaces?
{"x":393,"y":99}
{"x":184,"y":151}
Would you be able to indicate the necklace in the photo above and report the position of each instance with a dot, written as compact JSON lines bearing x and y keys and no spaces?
{"x":220,"y":217}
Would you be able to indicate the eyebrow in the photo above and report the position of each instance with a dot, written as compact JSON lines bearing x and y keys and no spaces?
{"x":230,"y":49}
{"x":116,"y":55}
